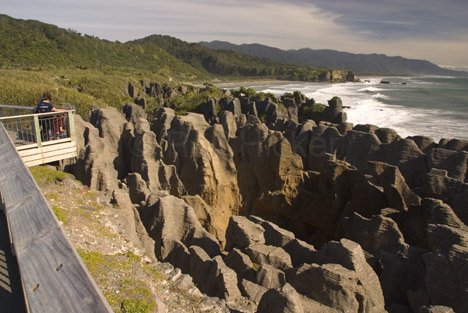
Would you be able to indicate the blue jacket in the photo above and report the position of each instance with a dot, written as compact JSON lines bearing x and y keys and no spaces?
{"x":44,"y":107}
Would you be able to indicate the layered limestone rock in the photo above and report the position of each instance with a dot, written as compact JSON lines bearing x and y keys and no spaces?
{"x":269,"y":172}
{"x":173,"y":225}
{"x":204,"y":162}
{"x":403,"y":200}
{"x":100,"y":162}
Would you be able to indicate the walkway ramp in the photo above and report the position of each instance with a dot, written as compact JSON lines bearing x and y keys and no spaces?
{"x":53,"y":277}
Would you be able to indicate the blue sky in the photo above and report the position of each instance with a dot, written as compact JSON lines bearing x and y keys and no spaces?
{"x":436,"y":30}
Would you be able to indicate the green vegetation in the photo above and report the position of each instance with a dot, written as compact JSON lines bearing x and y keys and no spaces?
{"x":127,"y":295}
{"x":84,"y":72}
{"x":34,"y":45}
{"x":44,"y":175}
{"x":256,"y":266}
{"x":60,"y":214}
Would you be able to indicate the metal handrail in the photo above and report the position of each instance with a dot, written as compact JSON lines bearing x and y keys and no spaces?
{"x":30,"y":129}
{"x":16,"y":107}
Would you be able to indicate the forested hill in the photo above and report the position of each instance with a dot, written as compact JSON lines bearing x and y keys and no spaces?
{"x":31,"y":43}
{"x":361,"y":64}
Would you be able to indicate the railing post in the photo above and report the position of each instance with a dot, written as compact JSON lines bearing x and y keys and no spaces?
{"x":71,"y":123}
{"x":37,"y":129}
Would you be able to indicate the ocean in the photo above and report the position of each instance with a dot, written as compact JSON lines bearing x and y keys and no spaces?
{"x":436,"y":107}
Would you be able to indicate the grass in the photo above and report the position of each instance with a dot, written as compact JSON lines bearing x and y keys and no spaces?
{"x":124,"y":293}
{"x":60,"y":213}
{"x":46,"y":175}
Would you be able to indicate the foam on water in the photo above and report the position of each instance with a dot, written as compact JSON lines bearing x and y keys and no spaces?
{"x":366,"y":104}
{"x":370,"y":89}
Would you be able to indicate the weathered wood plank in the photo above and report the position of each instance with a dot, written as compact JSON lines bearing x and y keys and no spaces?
{"x":44,"y":148}
{"x":53,"y":276}
{"x":52,"y":150}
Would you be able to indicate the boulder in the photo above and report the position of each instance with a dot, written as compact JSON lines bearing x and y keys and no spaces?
{"x":386,"y":135}
{"x":375,"y":234}
{"x":424,"y":144}
{"x":209,"y":111}
{"x":334,"y":112}
{"x":162,"y":122}
{"x":366,"y":128}
{"x":274,"y":235}
{"x":399,"y":195}
{"x":435,"y":309}
{"x":227,"y":119}
{"x":438,"y":212}
{"x":137,"y":188}
{"x":452,"y":191}
{"x":242,"y":233}
{"x":454,"y":162}
{"x":454,"y":144}
{"x":222,"y":281}
{"x":270,"y":277}
{"x":274,"y":256}
{"x":323,"y":140}
{"x":447,"y":278}
{"x":240,"y":263}
{"x":169,"y":221}
{"x":248,"y":106}
{"x":443,"y":237}
{"x":293,"y":113}
{"x":199,"y":265}
{"x":133,"y":112}
{"x":300,"y":252}
{"x":272,"y":115}
{"x":351,"y":256}
{"x":234,"y":106}
{"x":212,"y":276}
{"x":359,"y":148}
{"x":252,"y":291}
{"x":202,"y":210}
{"x":333,"y":286}
{"x":130,"y":224}
{"x":285,"y":300}
{"x":415,"y":224}
{"x":410,"y":160}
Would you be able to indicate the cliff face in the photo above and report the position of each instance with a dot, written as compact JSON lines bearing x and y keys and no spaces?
{"x":388,"y":213}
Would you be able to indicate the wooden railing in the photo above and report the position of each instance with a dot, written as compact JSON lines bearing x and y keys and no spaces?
{"x":53,"y":277}
{"x":41,"y":138}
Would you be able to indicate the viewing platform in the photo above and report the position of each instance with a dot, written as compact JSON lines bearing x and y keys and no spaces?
{"x":40,"y":138}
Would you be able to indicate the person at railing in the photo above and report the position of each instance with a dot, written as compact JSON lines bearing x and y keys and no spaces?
{"x":52,"y":127}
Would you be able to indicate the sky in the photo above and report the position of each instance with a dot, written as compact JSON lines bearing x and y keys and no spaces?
{"x":434,"y":30}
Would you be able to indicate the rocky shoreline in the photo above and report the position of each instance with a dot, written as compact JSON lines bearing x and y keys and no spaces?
{"x":286,"y":207}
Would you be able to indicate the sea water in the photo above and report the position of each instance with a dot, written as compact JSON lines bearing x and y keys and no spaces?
{"x":436,"y":107}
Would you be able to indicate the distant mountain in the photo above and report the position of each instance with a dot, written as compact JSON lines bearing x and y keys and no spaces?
{"x":361,"y":64}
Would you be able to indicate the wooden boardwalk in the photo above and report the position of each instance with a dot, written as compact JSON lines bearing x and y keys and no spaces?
{"x":53,"y":277}
{"x":41,"y":138}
